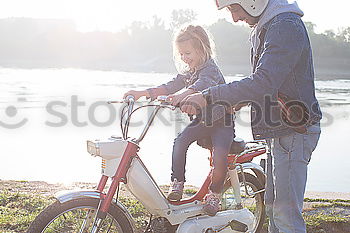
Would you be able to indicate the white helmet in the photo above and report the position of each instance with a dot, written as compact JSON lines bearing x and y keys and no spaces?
{"x":253,"y":7}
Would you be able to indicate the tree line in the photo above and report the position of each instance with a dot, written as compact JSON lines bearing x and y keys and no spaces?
{"x":146,"y":46}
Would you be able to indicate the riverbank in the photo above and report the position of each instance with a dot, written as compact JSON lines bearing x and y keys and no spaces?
{"x":21,"y":201}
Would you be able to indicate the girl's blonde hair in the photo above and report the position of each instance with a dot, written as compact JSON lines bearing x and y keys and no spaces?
{"x":201,"y":41}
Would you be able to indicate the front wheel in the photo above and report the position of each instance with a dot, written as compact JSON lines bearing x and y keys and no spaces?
{"x":254,"y":203}
{"x":77,"y":216}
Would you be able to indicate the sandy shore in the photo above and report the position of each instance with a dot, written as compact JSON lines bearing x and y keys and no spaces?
{"x":327,"y":195}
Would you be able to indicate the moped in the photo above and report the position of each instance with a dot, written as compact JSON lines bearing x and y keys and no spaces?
{"x":242,"y":205}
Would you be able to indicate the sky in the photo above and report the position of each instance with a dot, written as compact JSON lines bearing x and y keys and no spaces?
{"x":114,"y":15}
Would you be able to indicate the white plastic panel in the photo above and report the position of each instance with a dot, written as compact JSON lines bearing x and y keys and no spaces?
{"x":110,"y":148}
{"x":140,"y":183}
{"x":111,"y":167}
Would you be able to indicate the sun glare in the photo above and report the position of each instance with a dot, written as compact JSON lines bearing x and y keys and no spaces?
{"x":97,"y":15}
{"x":113,"y":15}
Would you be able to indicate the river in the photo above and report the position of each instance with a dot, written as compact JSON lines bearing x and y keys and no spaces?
{"x":46,"y":116}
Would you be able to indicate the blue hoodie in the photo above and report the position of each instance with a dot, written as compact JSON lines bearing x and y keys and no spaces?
{"x":284,"y":65}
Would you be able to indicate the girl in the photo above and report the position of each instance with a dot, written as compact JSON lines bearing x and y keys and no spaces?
{"x":193,"y":56}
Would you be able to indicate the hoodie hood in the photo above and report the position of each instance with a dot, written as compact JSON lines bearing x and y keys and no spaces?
{"x":274,"y":8}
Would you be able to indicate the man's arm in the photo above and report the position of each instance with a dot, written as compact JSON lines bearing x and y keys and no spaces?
{"x":283,"y":46}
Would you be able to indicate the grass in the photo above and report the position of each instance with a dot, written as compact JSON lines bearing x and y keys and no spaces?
{"x":328,"y":215}
{"x":190,"y":191}
{"x":136,"y":209}
{"x":317,"y":220}
{"x":324,"y":222}
{"x":325,"y":200}
{"x":334,"y":204}
{"x":18,"y":209}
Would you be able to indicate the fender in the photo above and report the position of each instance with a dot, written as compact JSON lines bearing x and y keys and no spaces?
{"x":257,"y":169}
{"x":68,"y":195}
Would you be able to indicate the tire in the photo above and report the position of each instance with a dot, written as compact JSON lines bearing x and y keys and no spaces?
{"x":255,"y":204}
{"x":68,"y":217}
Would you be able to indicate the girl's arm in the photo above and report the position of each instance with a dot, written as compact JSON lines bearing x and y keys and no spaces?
{"x":168,"y":88}
{"x":136,"y":94}
{"x":152,"y":93}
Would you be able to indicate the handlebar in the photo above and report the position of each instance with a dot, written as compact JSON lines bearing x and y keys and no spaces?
{"x":162,"y":99}
{"x":161,"y":102}
{"x":130,"y":101}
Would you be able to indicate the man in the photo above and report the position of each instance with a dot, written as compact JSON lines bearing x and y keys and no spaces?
{"x":283,"y":70}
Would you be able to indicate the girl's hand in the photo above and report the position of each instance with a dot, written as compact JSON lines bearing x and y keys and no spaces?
{"x":136,"y":94}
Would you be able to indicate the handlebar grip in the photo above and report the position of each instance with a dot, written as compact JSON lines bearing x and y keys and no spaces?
{"x":130,"y":98}
{"x":162,"y":98}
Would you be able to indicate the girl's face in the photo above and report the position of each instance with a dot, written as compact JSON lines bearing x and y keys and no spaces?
{"x":189,"y":54}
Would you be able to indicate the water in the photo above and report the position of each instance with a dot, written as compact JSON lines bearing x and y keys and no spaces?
{"x":49,"y":143}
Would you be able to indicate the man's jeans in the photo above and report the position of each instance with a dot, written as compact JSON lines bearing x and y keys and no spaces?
{"x":286,"y":179}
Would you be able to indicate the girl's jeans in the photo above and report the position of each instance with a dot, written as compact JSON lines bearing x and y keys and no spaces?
{"x":286,"y":179}
{"x":221,"y":137}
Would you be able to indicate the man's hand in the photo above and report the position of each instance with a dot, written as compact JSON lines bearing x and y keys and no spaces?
{"x":193,"y":103}
{"x":175,"y":99}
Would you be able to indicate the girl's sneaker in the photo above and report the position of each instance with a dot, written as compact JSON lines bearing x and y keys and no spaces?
{"x":176,"y":190}
{"x":212,"y":203}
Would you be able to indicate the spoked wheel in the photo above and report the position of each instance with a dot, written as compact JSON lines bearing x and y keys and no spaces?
{"x":254,"y":203}
{"x":77,"y":216}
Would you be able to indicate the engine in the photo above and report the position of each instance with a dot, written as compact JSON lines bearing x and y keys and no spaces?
{"x":224,"y":221}
{"x":161,"y":225}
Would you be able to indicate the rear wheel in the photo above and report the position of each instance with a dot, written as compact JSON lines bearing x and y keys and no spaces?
{"x":77,"y":216}
{"x":254,"y":203}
